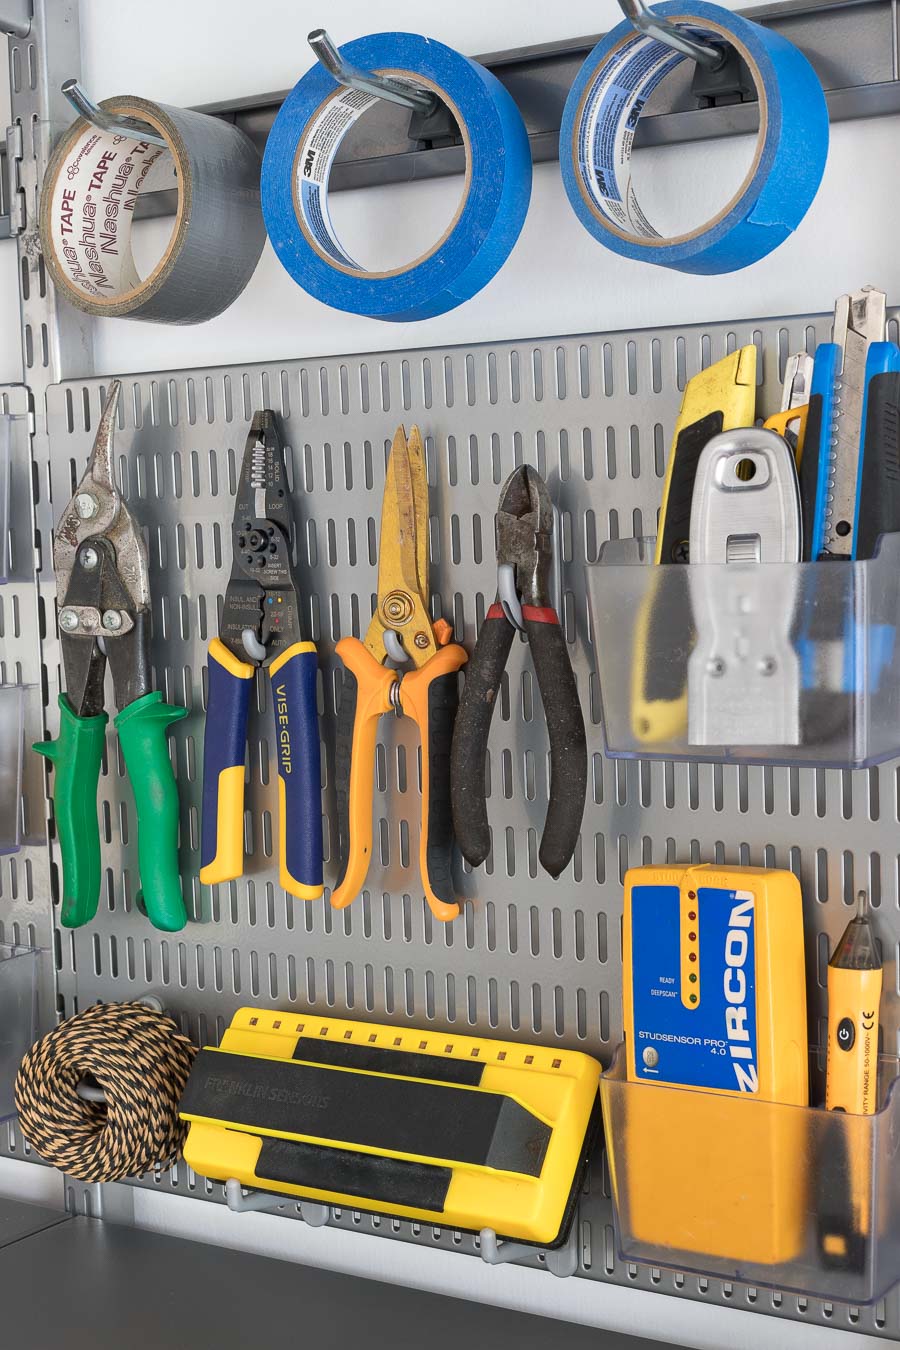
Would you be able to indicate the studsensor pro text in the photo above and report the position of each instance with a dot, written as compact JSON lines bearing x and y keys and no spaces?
{"x":714,"y":979}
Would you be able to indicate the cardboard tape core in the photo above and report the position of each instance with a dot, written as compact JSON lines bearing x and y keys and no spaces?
{"x":96,"y":187}
{"x":603,"y":141}
{"x":316,"y":153}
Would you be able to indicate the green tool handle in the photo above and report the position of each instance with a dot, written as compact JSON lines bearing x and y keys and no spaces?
{"x":142,"y":728}
{"x":76,"y":755}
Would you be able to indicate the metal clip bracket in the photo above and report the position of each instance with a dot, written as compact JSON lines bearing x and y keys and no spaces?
{"x":560,"y":1261}
{"x":730,"y":82}
{"x":254,"y":1202}
{"x":12,"y":221}
{"x":16,"y":17}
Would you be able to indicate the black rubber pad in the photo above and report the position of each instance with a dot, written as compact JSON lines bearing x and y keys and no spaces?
{"x":398,"y":1115}
{"x":394,"y":1181}
{"x":675,"y":527}
{"x":376,"y":1059}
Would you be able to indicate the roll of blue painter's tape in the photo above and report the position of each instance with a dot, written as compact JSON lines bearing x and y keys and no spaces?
{"x":605,"y":104}
{"x":301,"y":148}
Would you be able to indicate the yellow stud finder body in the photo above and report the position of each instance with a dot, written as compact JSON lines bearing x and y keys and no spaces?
{"x":454,"y":1130}
{"x":717,"y":399}
{"x":714,"y":990}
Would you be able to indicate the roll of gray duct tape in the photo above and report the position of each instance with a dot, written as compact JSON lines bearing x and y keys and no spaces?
{"x":87,"y":213}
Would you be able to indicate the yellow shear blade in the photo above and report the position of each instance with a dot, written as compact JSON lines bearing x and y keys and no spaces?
{"x":419,"y":474}
{"x":399,"y":520}
{"x":403,"y":553}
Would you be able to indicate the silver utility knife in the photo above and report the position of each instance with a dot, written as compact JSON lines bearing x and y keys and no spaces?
{"x":743,"y":673}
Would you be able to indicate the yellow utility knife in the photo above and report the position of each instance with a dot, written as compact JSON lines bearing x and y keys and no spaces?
{"x":719,"y":398}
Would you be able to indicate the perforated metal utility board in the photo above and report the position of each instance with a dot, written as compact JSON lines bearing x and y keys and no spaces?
{"x":529,"y":958}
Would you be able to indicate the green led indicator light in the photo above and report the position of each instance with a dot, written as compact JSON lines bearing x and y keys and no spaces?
{"x":693,"y":979}
{"x":693,"y":998}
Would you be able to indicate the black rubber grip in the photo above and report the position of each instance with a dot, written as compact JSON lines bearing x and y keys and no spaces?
{"x":675,"y":525}
{"x":317,"y":1167}
{"x":879,"y":501}
{"x":568,"y":743}
{"x":670,"y":629}
{"x":842,"y":1246}
{"x":343,"y":752}
{"x":443,"y":702}
{"x":470,"y":737}
{"x":809,"y":474}
{"x":368,"y":1111}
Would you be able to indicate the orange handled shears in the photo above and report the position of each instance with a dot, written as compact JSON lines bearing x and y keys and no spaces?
{"x":401,"y":631}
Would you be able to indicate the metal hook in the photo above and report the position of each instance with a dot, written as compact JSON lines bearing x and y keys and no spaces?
{"x":395,"y":91}
{"x":104,"y":121}
{"x":645,"y":21}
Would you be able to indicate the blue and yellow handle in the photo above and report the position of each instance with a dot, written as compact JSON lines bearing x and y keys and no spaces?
{"x":293,"y":676}
{"x":294,"y":705}
{"x":224,"y":749}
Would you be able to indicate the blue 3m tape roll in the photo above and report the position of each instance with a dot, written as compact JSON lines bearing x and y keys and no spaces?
{"x":606,"y":102}
{"x":301,"y":149}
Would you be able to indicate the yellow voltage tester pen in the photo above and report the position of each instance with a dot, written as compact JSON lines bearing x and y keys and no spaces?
{"x":845,"y":1215}
{"x":854,"y":993}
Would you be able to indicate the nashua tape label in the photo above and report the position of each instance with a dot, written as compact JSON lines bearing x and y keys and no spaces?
{"x":602,"y":113}
{"x":90,"y":210}
{"x":301,"y":149}
{"x":93,"y":183}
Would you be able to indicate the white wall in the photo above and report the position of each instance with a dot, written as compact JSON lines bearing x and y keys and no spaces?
{"x":558,"y":280}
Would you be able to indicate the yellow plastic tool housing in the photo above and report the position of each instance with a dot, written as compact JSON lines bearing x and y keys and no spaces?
{"x":699,"y":1167}
{"x":288,"y":1073}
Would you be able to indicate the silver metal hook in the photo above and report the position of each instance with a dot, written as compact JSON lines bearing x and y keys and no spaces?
{"x":645,"y":21}
{"x":395,"y":91}
{"x":104,"y":121}
{"x":252,"y":645}
{"x":394,"y":647}
{"x":507,"y":594}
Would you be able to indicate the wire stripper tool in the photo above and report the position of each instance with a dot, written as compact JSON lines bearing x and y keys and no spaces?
{"x":261,"y":621}
{"x":100,"y":561}
{"x":401,"y":630}
{"x":524,"y":543}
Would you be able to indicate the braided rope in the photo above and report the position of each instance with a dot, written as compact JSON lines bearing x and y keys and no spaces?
{"x":141,"y":1062}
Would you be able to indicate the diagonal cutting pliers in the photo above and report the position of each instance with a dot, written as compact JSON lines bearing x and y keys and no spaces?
{"x":401,"y":630}
{"x":100,"y":561}
{"x":525,"y":547}
{"x":260,"y":627}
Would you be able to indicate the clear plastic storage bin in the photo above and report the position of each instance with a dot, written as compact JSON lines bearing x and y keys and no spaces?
{"x":791,"y":663}
{"x":13,"y":436}
{"x":18,"y":992}
{"x":12,"y":731}
{"x":789,"y":1197}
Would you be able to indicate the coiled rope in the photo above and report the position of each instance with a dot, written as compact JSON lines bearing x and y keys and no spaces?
{"x":139,"y":1059}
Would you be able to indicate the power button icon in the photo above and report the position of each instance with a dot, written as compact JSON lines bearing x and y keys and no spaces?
{"x":846,"y":1033}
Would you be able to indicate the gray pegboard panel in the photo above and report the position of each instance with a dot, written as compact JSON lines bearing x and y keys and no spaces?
{"x":25,"y":916}
{"x":529,"y":958}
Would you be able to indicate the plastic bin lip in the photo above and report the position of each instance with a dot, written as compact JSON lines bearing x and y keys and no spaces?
{"x":10,"y":950}
{"x":617,"y":1071}
{"x":639,"y":550}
